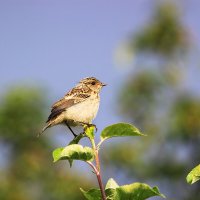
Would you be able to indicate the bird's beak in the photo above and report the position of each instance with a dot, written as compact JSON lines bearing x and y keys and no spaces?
{"x":103,"y":84}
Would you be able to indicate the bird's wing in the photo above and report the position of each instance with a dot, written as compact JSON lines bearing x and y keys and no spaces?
{"x":72,"y":98}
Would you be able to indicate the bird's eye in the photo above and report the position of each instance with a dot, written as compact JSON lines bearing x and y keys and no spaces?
{"x":93,"y":83}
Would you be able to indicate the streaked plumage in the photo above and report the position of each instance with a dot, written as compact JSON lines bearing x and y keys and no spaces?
{"x":79,"y":106}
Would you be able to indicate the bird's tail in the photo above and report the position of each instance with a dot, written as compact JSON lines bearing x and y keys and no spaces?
{"x":47,"y":126}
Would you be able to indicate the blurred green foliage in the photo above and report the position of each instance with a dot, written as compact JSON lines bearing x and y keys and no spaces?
{"x":22,"y":111}
{"x":165,"y":35}
{"x":155,"y":100}
{"x":140,"y":94}
{"x":185,"y":117}
{"x":29,"y":172}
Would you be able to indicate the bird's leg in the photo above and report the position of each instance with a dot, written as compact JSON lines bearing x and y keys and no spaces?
{"x":70,"y":129}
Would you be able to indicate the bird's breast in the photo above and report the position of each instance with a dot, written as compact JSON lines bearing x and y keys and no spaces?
{"x":83,"y":112}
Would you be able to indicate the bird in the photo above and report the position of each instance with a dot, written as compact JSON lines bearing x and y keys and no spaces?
{"x":78,"y":107}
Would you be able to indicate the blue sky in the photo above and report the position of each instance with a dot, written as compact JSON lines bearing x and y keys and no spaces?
{"x":54,"y":44}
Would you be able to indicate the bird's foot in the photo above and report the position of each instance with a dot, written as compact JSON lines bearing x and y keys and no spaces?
{"x":90,"y":125}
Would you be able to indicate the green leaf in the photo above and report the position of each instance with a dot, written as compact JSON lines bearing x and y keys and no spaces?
{"x":110,"y":189}
{"x":194,"y":175}
{"x":75,"y":141}
{"x":111,"y":184}
{"x":73,"y":152}
{"x":92,"y":194}
{"x":135,"y":191}
{"x":56,"y":153}
{"x":89,"y":131}
{"x":120,"y":130}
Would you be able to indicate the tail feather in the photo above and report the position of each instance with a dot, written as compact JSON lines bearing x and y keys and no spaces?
{"x":47,"y":126}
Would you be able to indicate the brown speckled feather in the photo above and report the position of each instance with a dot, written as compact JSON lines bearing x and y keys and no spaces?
{"x":63,"y":104}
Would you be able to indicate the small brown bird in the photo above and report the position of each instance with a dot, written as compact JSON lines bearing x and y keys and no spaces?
{"x":78,"y":107}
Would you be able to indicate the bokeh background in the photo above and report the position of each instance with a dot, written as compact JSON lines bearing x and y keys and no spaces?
{"x":147,"y":52}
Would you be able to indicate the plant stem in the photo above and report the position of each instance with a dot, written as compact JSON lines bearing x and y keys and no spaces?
{"x":97,"y":170}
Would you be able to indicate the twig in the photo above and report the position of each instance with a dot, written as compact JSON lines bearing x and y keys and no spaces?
{"x":97,"y":169}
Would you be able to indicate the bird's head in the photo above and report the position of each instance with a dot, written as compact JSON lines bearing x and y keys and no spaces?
{"x":93,"y":83}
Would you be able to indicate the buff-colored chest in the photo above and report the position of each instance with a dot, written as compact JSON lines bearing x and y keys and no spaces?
{"x":83,"y":112}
